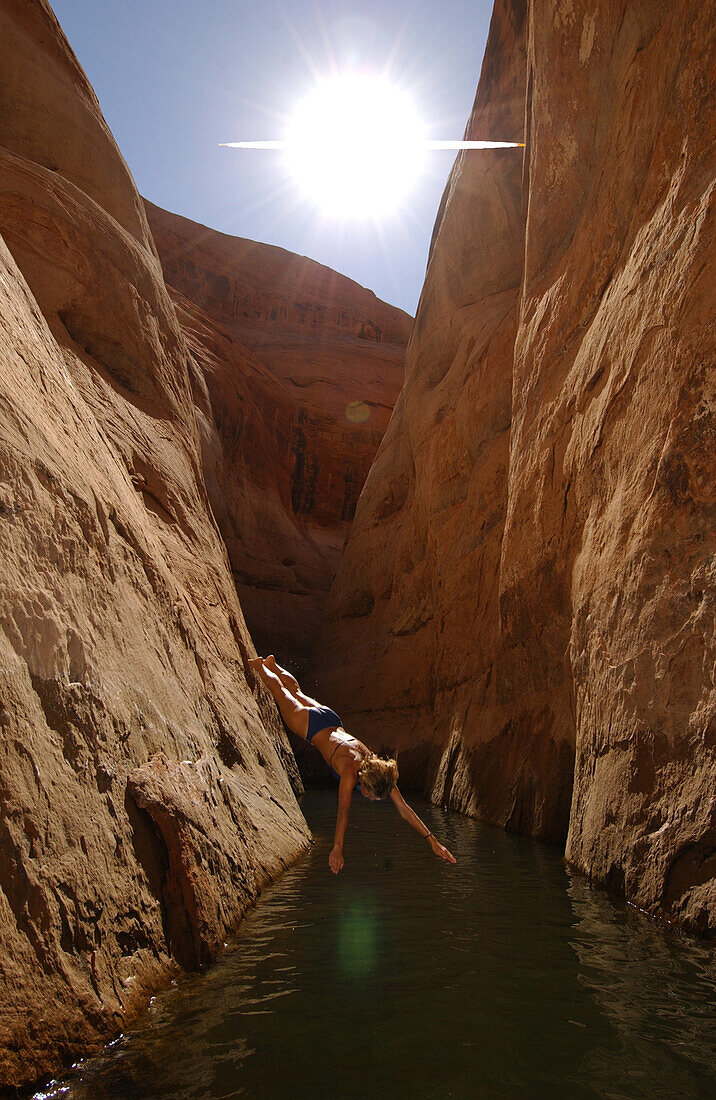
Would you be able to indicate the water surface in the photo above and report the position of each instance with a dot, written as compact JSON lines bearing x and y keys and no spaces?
{"x":503,"y":976}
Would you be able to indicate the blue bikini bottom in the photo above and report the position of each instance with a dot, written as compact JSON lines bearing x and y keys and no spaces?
{"x":319,"y":718}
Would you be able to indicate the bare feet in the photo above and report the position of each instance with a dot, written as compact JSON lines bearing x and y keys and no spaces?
{"x":255,"y":664}
{"x":287,"y":678}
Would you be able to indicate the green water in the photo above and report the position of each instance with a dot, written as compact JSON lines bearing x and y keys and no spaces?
{"x":502,"y":976}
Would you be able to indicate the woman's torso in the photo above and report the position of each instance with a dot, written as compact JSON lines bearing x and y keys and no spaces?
{"x":339,"y":749}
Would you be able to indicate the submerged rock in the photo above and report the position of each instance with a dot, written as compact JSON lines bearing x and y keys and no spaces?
{"x":525,"y":607}
{"x":120,"y":631}
{"x":297,"y":371}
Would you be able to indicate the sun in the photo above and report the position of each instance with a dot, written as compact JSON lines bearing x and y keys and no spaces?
{"x":356,"y":146}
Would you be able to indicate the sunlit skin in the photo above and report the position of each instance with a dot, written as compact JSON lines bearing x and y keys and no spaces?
{"x":343,"y":753}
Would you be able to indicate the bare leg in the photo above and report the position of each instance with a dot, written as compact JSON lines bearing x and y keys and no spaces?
{"x":293,"y":712}
{"x":290,"y":682}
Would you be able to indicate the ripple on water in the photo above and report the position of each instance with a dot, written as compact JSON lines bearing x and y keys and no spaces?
{"x":504,"y":976}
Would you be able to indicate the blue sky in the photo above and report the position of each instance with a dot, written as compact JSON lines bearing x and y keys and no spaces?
{"x":175,"y":79}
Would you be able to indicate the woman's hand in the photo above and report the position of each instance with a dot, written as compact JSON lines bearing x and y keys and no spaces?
{"x":441,"y":850}
{"x":335,"y":860}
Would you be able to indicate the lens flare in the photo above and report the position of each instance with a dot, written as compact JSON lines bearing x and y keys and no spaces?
{"x":356,"y":146}
{"x":357,"y":412}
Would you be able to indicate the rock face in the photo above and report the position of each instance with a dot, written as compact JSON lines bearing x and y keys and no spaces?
{"x":121,"y":635}
{"x":298,"y":371}
{"x":525,"y":607}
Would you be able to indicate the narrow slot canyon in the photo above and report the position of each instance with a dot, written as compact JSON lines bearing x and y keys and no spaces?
{"x":483,"y":535}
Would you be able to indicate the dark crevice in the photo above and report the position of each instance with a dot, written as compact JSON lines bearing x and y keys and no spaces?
{"x":152,"y":855}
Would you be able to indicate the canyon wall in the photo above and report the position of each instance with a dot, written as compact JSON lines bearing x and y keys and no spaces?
{"x":145,"y":789}
{"x":297,"y":369}
{"x":525,"y":607}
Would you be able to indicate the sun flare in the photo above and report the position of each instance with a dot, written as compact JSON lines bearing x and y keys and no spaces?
{"x":355,"y":146}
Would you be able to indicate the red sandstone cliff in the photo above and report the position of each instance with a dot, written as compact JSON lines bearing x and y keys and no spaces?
{"x":144,"y":797}
{"x":301,"y":368}
{"x":525,"y":607}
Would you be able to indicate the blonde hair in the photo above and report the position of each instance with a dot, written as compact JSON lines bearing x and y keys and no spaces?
{"x":378,"y":775}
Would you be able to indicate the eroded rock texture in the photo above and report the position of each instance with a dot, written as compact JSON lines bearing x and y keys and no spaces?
{"x":298,"y":369}
{"x":525,"y":607}
{"x":121,"y":635}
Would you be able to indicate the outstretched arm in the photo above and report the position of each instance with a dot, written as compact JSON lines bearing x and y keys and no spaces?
{"x":345,"y":794}
{"x":408,"y":814}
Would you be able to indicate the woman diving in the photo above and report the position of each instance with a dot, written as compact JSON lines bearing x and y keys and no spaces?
{"x":353,"y":764}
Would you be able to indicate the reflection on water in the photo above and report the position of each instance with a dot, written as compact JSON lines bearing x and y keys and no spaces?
{"x":503,"y":976}
{"x":646,"y":982}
